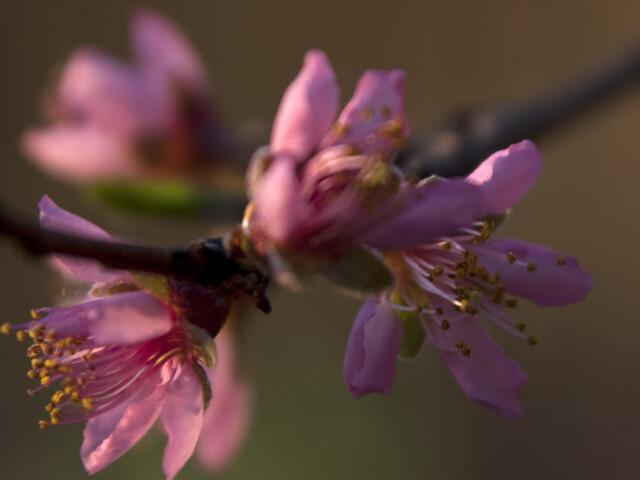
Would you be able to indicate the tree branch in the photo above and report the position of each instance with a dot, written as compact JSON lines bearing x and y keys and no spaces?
{"x":205,"y":261}
{"x":455,"y":147}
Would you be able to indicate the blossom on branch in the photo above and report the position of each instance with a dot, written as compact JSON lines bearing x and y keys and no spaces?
{"x":445,"y":285}
{"x":133,"y":348}
{"x":325,"y":184}
{"x":115,"y":121}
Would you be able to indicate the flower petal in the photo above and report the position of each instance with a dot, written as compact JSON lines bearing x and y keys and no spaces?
{"x":487,"y":376}
{"x":431,"y":211}
{"x":372,"y":350}
{"x":108,"y":436}
{"x":228,"y":418}
{"x":278,"y":202}
{"x":164,"y":50}
{"x":556,"y":280}
{"x":374,"y":119}
{"x":57,"y":219}
{"x":307,"y":109}
{"x":81,"y":153}
{"x":507,"y":175}
{"x":127,"y":318}
{"x":94,"y":89}
{"x":182,"y":416}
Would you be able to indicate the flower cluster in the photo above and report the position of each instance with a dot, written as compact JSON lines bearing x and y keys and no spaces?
{"x":126,"y":352}
{"x":327,"y":197}
{"x":114,"y":121}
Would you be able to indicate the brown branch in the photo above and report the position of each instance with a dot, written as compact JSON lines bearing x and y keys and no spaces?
{"x":205,"y":261}
{"x":455,"y":147}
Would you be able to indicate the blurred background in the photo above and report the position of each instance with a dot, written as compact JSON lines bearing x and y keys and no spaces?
{"x":582,"y":414}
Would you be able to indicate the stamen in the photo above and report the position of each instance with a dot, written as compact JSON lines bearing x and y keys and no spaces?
{"x":533,"y":339}
{"x":531,"y":267}
{"x":5,"y":329}
{"x":511,"y":257}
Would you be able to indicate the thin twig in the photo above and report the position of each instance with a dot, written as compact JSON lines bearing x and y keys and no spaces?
{"x":205,"y":261}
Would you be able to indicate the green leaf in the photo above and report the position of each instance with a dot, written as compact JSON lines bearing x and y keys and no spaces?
{"x":178,"y":198}
{"x":360,"y":271}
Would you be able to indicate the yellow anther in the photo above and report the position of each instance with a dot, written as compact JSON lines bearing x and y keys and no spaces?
{"x":42,"y":424}
{"x":55,"y":420}
{"x":57,"y":397}
{"x":34,"y":351}
{"x":49,"y":407}
{"x":5,"y":328}
{"x":340,"y":129}
{"x":21,"y":336}
{"x":45,"y":372}
{"x":521,"y":326}
{"x":50,"y":336}
{"x":36,"y":363}
{"x":531,"y":267}
{"x":45,"y":380}
{"x":50,"y":363}
{"x":445,"y":324}
{"x":74,"y":397}
{"x":32,"y":374}
{"x":437,"y":271}
{"x":465,"y":306}
{"x":511,"y":302}
{"x":446,"y":245}
{"x":87,"y":403}
{"x":511,"y":257}
{"x":533,"y":339}
{"x":562,"y":260}
{"x":68,"y":390}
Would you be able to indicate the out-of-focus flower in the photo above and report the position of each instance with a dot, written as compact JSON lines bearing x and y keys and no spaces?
{"x":228,"y":418}
{"x":324,"y":184}
{"x":114,"y":121}
{"x":444,"y":286}
{"x":132,"y":349}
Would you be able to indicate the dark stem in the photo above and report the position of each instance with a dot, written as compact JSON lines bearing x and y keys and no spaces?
{"x":455,"y":147}
{"x":205,"y":261}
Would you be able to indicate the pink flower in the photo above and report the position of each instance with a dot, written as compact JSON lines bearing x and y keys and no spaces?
{"x":444,"y":287}
{"x":324,"y":184}
{"x":111,"y":120}
{"x":127,"y":352}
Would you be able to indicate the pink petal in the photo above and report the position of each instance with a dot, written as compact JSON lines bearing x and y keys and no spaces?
{"x":278,"y":202}
{"x":81,"y":153}
{"x":97,"y":90}
{"x":57,"y":219}
{"x":507,"y":175}
{"x":430,"y":211}
{"x":127,"y":318}
{"x":549,"y":284}
{"x":165,"y":52}
{"x":182,"y":416}
{"x":108,"y":436}
{"x":372,"y":350}
{"x":374,"y":119}
{"x":228,"y":418}
{"x":307,"y":109}
{"x":487,"y":376}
